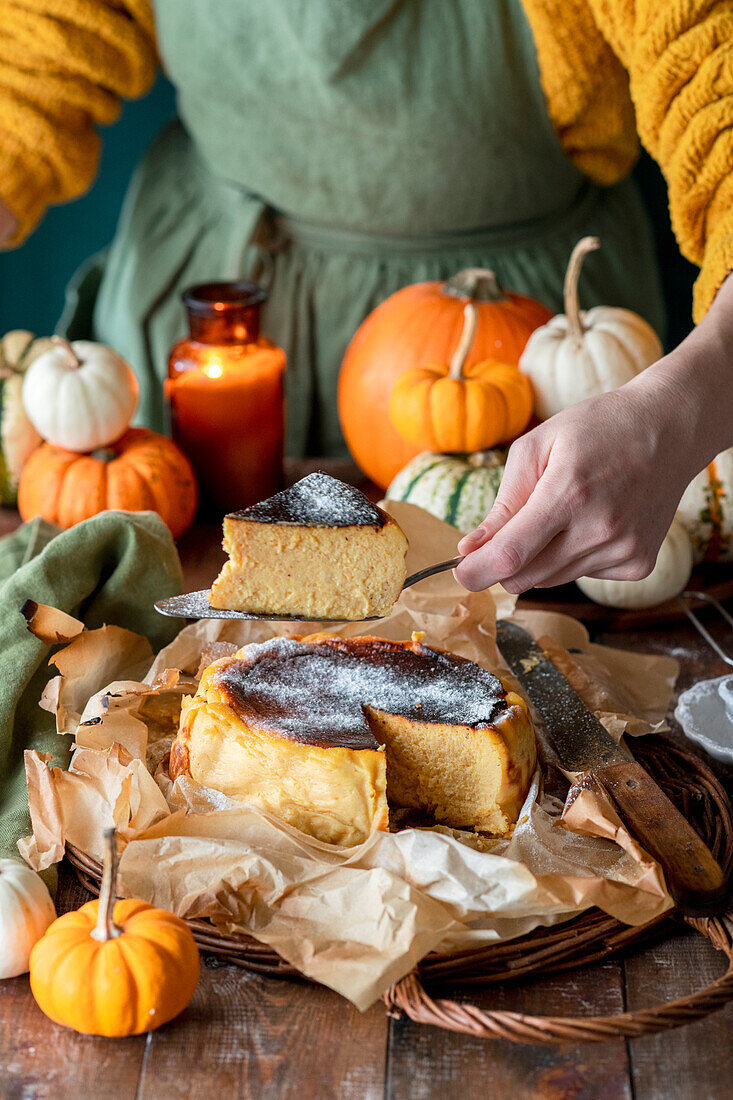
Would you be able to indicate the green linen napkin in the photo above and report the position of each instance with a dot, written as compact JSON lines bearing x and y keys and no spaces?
{"x":109,"y":569}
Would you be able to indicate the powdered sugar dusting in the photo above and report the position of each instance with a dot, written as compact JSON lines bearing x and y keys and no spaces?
{"x":318,"y":500}
{"x":316,"y":693}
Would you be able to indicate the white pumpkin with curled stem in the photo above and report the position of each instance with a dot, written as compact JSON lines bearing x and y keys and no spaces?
{"x":668,"y":578}
{"x":26,"y":911}
{"x":80,"y":396}
{"x":581,"y":354}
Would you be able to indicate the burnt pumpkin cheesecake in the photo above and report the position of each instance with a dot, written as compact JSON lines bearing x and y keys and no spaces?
{"x":318,"y":550}
{"x":327,"y":733}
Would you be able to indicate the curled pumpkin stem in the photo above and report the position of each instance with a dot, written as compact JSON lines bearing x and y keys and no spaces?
{"x":465,"y":343}
{"x":570,"y":290}
{"x":105,"y":928}
{"x":74,"y":360}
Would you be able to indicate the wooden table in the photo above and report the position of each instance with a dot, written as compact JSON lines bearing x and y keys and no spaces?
{"x":247,"y":1036}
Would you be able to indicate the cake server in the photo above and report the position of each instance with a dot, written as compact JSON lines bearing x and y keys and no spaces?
{"x":195,"y":605}
{"x":576,"y":742}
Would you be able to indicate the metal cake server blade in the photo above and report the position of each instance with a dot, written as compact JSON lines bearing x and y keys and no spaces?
{"x":577,"y":742}
{"x":195,"y":605}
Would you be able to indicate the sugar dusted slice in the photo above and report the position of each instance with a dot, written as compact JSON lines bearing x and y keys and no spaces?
{"x":319,"y":549}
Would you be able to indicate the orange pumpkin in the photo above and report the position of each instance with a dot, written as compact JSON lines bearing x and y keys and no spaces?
{"x":452,"y":408}
{"x":417,"y":325}
{"x":141,"y":471}
{"x":114,"y":968}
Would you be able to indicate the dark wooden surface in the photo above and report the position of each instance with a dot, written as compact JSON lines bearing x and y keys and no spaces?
{"x":247,"y":1036}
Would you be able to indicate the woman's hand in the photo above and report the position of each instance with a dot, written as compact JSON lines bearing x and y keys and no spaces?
{"x":593,"y":490}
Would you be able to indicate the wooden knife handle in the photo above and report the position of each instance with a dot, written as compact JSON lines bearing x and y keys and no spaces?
{"x":694,"y":878}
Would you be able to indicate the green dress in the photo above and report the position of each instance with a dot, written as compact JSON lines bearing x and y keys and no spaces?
{"x":335,"y":151}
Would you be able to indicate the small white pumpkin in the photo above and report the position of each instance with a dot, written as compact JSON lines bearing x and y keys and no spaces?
{"x":578,"y":355}
{"x":706,"y":510}
{"x":459,"y":489}
{"x":668,"y":578}
{"x":26,"y":910}
{"x":80,"y":396}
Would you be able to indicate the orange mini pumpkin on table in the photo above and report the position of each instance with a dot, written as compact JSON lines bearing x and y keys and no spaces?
{"x":452,"y":408}
{"x":422,"y":324}
{"x":114,"y":968}
{"x":140,"y":471}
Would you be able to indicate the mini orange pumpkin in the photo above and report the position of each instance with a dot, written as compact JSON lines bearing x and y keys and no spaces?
{"x":453,"y":408}
{"x":142,"y":470}
{"x":114,"y":969}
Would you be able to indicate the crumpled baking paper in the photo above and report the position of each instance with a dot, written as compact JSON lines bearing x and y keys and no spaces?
{"x":356,"y":919}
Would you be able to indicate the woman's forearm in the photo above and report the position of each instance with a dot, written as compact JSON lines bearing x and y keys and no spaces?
{"x":695,"y":382}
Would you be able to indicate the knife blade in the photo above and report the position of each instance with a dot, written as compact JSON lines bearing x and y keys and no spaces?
{"x":576,"y":741}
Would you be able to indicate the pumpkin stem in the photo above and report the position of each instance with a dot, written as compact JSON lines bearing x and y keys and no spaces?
{"x":480,"y":284}
{"x":105,"y":928}
{"x":74,"y":360}
{"x":570,"y":290}
{"x":465,"y":343}
{"x":486,"y":460}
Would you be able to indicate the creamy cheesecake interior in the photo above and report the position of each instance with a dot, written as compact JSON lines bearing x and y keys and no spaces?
{"x":327,"y":733}
{"x":317,"y":550}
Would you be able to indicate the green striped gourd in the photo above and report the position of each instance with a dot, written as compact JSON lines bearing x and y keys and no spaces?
{"x":706,"y":510}
{"x":18,"y":437}
{"x":459,"y":489}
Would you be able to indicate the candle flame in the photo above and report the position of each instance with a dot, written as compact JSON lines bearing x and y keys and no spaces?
{"x":214,"y":369}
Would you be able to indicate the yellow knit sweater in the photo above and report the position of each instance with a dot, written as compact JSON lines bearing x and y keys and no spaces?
{"x":610,"y":69}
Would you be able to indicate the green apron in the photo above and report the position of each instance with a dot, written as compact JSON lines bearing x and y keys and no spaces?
{"x":335,"y":151}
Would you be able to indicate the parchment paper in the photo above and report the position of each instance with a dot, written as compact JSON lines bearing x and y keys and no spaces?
{"x":356,"y":919}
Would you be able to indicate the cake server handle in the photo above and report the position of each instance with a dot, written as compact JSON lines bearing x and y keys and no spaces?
{"x":431,"y":570}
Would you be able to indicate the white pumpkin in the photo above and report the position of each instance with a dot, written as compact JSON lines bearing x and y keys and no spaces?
{"x":706,"y":510}
{"x":668,"y":578}
{"x":26,"y":910}
{"x":459,"y":489}
{"x":578,"y":355}
{"x":80,"y":396}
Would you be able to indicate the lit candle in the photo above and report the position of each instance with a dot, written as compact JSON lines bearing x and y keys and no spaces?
{"x":225,"y":387}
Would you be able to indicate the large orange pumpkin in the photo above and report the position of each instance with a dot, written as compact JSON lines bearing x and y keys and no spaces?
{"x":141,"y":471}
{"x":422,"y":324}
{"x":450,"y":408}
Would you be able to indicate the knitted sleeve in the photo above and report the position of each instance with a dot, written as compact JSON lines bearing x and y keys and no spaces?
{"x":679,"y":56}
{"x":586,"y":88}
{"x":64,"y":64}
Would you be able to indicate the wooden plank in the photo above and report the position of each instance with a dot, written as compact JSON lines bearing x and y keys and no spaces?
{"x":248,"y":1036}
{"x":692,"y":1061}
{"x":714,"y":579}
{"x":427,"y":1063}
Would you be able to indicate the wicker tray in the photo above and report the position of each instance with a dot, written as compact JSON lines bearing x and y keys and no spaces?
{"x":592,"y":936}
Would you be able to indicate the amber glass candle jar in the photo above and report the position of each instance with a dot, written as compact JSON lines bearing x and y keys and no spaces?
{"x":225,"y":388}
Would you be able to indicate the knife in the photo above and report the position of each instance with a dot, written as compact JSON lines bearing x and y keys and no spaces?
{"x":577,"y":742}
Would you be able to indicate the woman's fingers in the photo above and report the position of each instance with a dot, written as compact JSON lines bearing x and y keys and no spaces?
{"x":519,"y":541}
{"x":522,"y":471}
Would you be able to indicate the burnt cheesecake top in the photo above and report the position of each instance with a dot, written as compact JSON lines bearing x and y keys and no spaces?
{"x":317,"y":500}
{"x":315,"y":692}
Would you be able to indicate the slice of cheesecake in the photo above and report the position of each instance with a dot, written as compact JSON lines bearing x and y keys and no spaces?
{"x":318,"y":550}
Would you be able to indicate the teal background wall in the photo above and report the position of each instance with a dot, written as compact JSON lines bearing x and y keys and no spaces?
{"x":33,"y":277}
